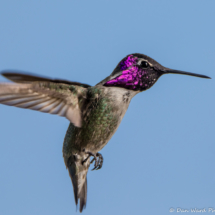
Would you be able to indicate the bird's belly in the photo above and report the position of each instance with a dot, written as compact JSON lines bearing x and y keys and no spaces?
{"x":101,"y":119}
{"x":98,"y":127}
{"x":93,"y":135}
{"x":97,"y":133}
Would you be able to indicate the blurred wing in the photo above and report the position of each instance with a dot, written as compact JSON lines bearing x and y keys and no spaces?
{"x":23,"y":77}
{"x":61,"y":99}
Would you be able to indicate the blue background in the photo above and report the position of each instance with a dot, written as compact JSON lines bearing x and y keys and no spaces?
{"x":162,"y":155}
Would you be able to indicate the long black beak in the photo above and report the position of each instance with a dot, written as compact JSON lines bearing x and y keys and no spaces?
{"x":172,"y":71}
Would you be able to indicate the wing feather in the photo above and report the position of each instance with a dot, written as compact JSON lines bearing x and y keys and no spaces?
{"x":47,"y":97}
{"x":24,"y":77}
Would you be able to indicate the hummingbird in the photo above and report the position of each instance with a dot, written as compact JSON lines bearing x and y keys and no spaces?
{"x":94,"y":112}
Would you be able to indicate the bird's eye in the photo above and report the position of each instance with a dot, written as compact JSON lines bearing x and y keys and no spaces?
{"x":144,"y":64}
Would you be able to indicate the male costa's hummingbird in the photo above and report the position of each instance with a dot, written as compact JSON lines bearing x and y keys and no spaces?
{"x":94,"y":112}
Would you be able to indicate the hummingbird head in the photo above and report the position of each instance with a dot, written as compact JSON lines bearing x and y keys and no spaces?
{"x":139,"y":72}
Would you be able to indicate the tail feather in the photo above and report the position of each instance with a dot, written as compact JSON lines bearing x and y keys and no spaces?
{"x":78,"y":175}
{"x":83,"y":196}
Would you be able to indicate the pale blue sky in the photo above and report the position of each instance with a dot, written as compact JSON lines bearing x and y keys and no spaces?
{"x":162,"y":155}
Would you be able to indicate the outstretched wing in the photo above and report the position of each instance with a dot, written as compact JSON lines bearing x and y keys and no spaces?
{"x":24,"y":77}
{"x":49,"y":97}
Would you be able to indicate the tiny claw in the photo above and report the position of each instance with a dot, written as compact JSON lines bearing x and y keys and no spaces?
{"x":89,"y":155}
{"x":97,"y":158}
{"x":99,"y":167}
{"x":92,"y":160}
{"x":85,"y":160}
{"x":100,"y":164}
{"x":95,"y":165}
{"x":100,"y":160}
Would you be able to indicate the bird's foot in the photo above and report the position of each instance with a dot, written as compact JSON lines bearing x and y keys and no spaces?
{"x":89,"y":155}
{"x":98,"y":162}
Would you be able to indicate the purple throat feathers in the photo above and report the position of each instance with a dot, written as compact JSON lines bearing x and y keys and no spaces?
{"x":131,"y":77}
